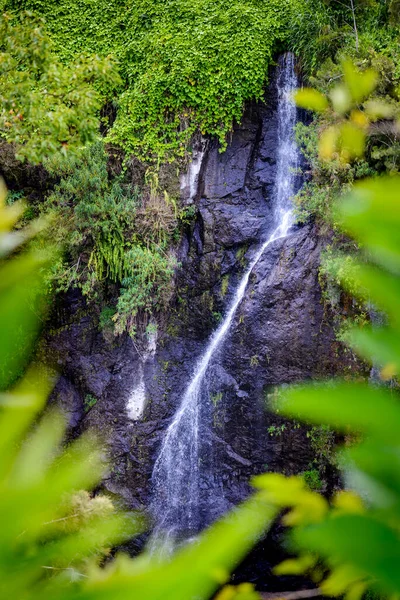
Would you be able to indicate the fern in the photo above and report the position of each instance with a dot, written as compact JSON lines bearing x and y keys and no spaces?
{"x":112,"y":235}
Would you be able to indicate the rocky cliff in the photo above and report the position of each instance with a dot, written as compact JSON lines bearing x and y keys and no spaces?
{"x":128,"y":390}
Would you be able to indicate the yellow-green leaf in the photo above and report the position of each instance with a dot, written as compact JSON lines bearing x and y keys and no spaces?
{"x":311,"y":100}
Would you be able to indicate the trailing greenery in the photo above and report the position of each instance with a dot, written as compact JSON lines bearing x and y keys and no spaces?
{"x":113,"y":236}
{"x":38,"y":95}
{"x":147,"y":286}
{"x":95,"y":215}
{"x":186,"y":66}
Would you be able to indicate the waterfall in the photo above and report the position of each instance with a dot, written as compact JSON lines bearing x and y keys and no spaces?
{"x":184,"y":487}
{"x":189,"y":183}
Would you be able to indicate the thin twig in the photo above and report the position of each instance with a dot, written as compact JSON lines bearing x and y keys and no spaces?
{"x":355,"y":23}
{"x":63,"y":519}
{"x":64,"y":569}
{"x":299,"y":595}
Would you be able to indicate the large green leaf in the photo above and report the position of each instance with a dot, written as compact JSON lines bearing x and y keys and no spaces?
{"x":382,"y":465}
{"x":346,"y":407}
{"x":197,"y":570}
{"x":380,"y":345}
{"x":376,"y":285}
{"x":21,"y":293}
{"x":311,"y":99}
{"x":370,"y":213}
{"x":359,"y":83}
{"x":359,"y":540}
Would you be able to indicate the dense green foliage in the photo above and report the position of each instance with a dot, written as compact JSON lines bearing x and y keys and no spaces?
{"x":355,"y":134}
{"x":113,"y":236}
{"x":335,"y":177}
{"x":189,"y":68}
{"x":320,"y":29}
{"x":48,"y":111}
{"x":186,"y":66}
{"x":327,"y":180}
{"x":54,"y":535}
{"x":357,"y":118}
{"x":324,"y":42}
{"x":184,"y":69}
{"x":20,"y":303}
{"x":38,"y":95}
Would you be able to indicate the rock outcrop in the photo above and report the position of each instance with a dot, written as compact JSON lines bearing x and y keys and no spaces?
{"x":281,"y":333}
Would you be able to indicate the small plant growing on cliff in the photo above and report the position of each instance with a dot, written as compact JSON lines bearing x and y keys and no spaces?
{"x":254,"y":361}
{"x":216,"y":398}
{"x":312,"y":479}
{"x":89,"y":402}
{"x":322,"y":440}
{"x":151,"y":329}
{"x":217,"y":316}
{"x":187,"y":214}
{"x":106,"y":317}
{"x":224,"y":285}
{"x":276,"y":430}
{"x":241,"y":255}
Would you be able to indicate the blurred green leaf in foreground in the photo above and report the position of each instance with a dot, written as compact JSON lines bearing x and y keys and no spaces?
{"x":55,"y":537}
{"x":352,"y":545}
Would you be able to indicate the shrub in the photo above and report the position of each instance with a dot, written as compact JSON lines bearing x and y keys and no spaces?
{"x":112,"y":235}
{"x":147,"y":289}
{"x":312,"y":479}
{"x":89,"y":402}
{"x":349,"y":546}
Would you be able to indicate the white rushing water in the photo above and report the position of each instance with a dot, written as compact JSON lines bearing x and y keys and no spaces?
{"x":190,"y":180}
{"x":137,"y":399}
{"x":181,"y":493}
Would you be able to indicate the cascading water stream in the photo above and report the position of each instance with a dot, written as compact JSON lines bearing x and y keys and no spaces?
{"x":180,"y":469}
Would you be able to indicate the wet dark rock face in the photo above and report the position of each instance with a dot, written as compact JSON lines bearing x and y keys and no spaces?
{"x":281,"y":332}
